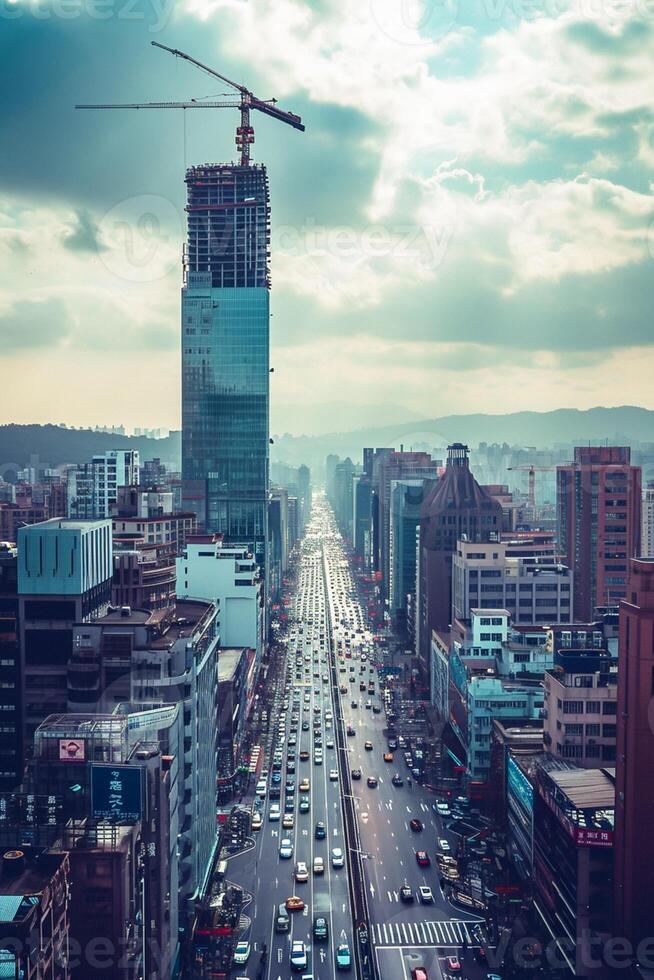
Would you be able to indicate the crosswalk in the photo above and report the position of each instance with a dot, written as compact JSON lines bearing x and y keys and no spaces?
{"x":451,"y":932}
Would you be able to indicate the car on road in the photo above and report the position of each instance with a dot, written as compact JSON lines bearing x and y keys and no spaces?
{"x":372,"y":782}
{"x":426,"y":894}
{"x":419,"y":973}
{"x":443,"y":810}
{"x":397,"y":780}
{"x":338,"y":859}
{"x":343,"y":957}
{"x":356,"y":774}
{"x":354,"y":704}
{"x":274,"y":812}
{"x":423,"y":859}
{"x":406,"y":894}
{"x":367,"y":746}
{"x":301,"y":872}
{"x":282,"y":919}
{"x":294,"y":903}
{"x":298,"y":955}
{"x":321,"y":830}
{"x":242,"y":953}
{"x":416,"y":825}
{"x":261,"y":788}
{"x":443,"y":844}
{"x":452,"y":964}
{"x":388,"y":756}
{"x":333,"y":775}
{"x":318,"y":865}
{"x":257,"y":820}
{"x":351,"y":730}
{"x":320,"y":929}
{"x":288,"y":821}
{"x":317,"y":758}
{"x":285,"y":848}
{"x":305,"y":785}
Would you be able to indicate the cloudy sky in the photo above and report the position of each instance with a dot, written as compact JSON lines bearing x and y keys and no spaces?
{"x":466,"y":225}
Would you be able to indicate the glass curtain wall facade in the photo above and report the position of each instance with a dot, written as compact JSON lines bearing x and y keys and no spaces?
{"x":225,"y":352}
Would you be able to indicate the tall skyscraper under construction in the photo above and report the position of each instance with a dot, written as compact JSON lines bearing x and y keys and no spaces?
{"x":225,"y":351}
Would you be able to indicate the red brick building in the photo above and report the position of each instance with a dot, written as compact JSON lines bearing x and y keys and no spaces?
{"x":598,"y":516}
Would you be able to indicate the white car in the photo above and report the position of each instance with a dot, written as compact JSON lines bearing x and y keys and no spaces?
{"x":318,"y":866}
{"x":426,"y":894}
{"x":443,"y":844}
{"x":261,"y":789}
{"x":274,"y":811}
{"x":333,"y":775}
{"x":285,"y":848}
{"x":241,"y":953}
{"x":256,"y":821}
{"x":443,"y":809}
{"x":337,"y":857}
{"x":301,"y":872}
{"x":298,"y":955}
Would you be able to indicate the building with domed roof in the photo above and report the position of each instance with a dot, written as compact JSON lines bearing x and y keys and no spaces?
{"x":457,"y":508}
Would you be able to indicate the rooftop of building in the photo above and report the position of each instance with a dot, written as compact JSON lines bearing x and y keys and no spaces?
{"x":586,"y":789}
{"x":172,"y":621}
{"x":490,"y":612}
{"x":523,"y":736}
{"x":228,"y":661}
{"x":66,"y":524}
{"x":24,"y":873}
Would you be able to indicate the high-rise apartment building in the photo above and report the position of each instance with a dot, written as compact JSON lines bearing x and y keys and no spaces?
{"x":225,"y":344}
{"x":65,"y":569}
{"x":598,"y":516}
{"x":647,"y":521}
{"x":93,"y":487}
{"x":634,"y":844}
{"x":394,"y":467}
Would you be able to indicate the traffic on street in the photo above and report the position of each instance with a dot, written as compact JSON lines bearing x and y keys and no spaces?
{"x":350,"y":857}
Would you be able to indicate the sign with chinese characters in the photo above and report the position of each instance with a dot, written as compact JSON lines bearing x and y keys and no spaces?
{"x":72,"y":750}
{"x":117,"y":792}
{"x":589,"y":837}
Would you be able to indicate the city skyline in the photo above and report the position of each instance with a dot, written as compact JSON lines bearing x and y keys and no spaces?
{"x":500,"y":228}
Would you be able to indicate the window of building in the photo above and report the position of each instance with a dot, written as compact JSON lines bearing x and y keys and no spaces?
{"x":573,"y":707}
{"x":609,"y":707}
{"x":593,"y":707}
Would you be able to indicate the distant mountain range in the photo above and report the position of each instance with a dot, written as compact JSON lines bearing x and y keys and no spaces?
{"x":626,"y":425}
{"x":566,"y":426}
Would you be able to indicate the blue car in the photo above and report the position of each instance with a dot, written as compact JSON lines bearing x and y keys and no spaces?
{"x":276,"y":777}
{"x":343,"y":957}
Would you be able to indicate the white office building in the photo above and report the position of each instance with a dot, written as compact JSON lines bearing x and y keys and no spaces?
{"x":226,"y":574}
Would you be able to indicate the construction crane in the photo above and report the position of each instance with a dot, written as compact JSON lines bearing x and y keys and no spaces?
{"x":245,"y":102}
{"x":532,"y":470}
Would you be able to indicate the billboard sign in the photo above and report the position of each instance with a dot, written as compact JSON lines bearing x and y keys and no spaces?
{"x":117,"y":793}
{"x":72,"y":750}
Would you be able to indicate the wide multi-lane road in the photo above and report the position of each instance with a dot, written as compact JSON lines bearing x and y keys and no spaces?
{"x":408,"y":933}
{"x":302,"y":747}
{"x":329,"y":679}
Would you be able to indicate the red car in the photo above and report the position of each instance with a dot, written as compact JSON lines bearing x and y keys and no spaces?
{"x":423,"y":859}
{"x":416,"y":825}
{"x":453,"y":964}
